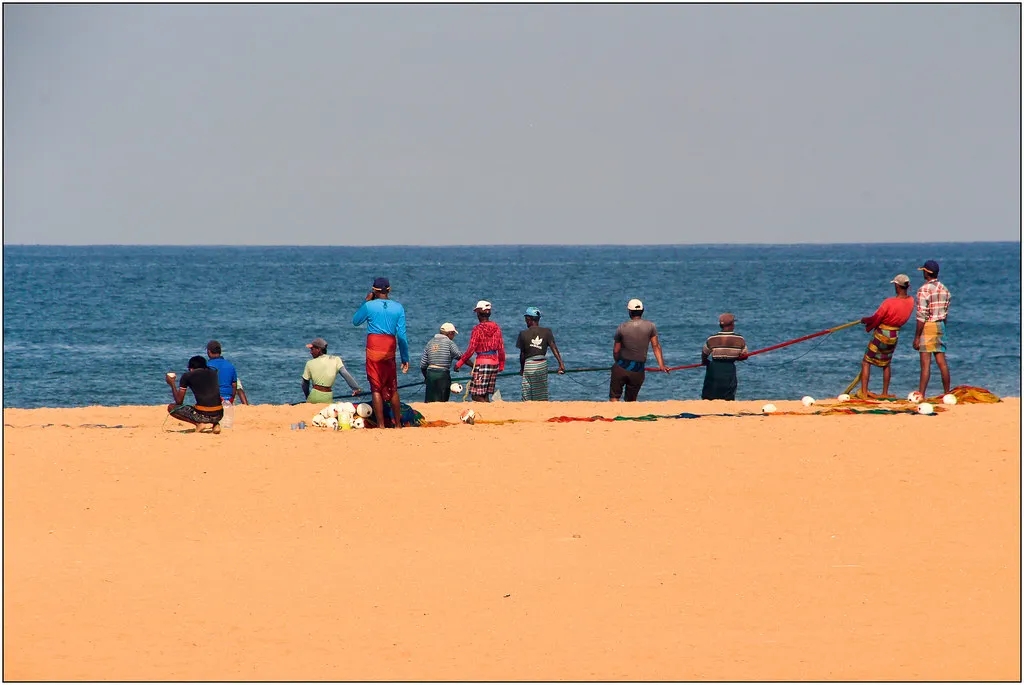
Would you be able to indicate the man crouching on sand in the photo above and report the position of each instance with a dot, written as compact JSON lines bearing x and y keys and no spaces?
{"x":206,"y":389}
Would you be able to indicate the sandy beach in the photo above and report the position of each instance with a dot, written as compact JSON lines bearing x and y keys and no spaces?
{"x":790,"y":547}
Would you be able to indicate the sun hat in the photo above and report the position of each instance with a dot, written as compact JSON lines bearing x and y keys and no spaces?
{"x":931,"y":266}
{"x":533,"y":311}
{"x":318,"y":342}
{"x":482,"y":305}
{"x":726,"y":319}
{"x":635,"y":305}
{"x":901,"y":279}
{"x":448,"y":328}
{"x":381,"y":283}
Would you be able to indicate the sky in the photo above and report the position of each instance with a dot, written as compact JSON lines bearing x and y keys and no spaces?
{"x":379,"y":124}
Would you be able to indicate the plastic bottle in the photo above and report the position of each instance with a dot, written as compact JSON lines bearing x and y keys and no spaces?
{"x":229,"y":414}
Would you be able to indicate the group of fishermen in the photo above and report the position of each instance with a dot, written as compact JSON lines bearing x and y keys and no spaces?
{"x":386,"y":337}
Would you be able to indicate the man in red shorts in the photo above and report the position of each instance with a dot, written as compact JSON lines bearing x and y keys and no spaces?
{"x":385,"y":329}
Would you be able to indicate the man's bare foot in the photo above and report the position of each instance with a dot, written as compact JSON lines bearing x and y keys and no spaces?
{"x":216,"y":429}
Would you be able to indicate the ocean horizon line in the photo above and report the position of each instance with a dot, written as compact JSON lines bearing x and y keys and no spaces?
{"x":520,"y":245}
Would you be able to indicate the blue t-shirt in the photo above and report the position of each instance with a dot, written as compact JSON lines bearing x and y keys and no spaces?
{"x":385,"y":317}
{"x":226,"y":375}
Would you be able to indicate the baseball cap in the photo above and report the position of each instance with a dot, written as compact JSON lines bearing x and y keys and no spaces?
{"x":726,"y":319}
{"x":533,"y":311}
{"x":447,"y":327}
{"x":318,"y":342}
{"x":635,"y":305}
{"x":381,"y":283}
{"x":931,"y":266}
{"x":901,"y":279}
{"x":483,"y":305}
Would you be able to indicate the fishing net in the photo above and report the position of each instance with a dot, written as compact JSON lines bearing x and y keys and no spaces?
{"x":971,"y":395}
{"x":410,"y":417}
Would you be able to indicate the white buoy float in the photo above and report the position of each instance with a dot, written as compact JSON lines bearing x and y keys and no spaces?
{"x":468,"y":416}
{"x":915,"y":396}
{"x":843,"y":398}
{"x":949,"y":398}
{"x":925,"y":408}
{"x":768,"y":409}
{"x":807,"y":400}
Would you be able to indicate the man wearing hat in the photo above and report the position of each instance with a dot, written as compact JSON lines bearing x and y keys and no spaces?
{"x":932,"y":307}
{"x":321,"y":371}
{"x":487,"y":344}
{"x":630,"y":353}
{"x":385,"y":330}
{"x":436,"y":363}
{"x":533,"y":344}
{"x":886,"y":322}
{"x":719,"y":354}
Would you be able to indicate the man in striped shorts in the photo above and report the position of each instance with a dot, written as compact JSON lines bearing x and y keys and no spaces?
{"x":720,"y":353}
{"x":932,"y":307}
{"x":533,"y":344}
{"x":436,"y":363}
{"x":886,"y":323}
{"x":486,"y":343}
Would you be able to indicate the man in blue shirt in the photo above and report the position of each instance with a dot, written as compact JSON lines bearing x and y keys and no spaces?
{"x":385,"y":330}
{"x":226,"y":374}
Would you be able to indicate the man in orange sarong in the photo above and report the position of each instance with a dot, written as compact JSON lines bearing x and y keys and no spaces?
{"x":385,"y":330}
{"x":886,"y":323}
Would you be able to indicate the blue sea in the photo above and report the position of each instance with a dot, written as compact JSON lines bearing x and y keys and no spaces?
{"x":101,"y":325}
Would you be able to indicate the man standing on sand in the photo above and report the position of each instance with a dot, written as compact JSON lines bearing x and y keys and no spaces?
{"x":487,"y":344}
{"x":436,"y":364}
{"x":720,"y":353}
{"x":630,"y":353}
{"x":385,"y":329}
{"x":886,"y":322}
{"x":321,"y":371}
{"x":932,"y":307}
{"x":203,"y":382}
{"x":533,"y":344}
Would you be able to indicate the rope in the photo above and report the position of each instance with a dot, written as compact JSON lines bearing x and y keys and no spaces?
{"x":589,"y":369}
{"x":773,"y":347}
{"x":790,"y":361}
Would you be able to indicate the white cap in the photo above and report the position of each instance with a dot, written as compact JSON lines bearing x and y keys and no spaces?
{"x":448,"y":328}
{"x":484,"y":305}
{"x":635,"y":305}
